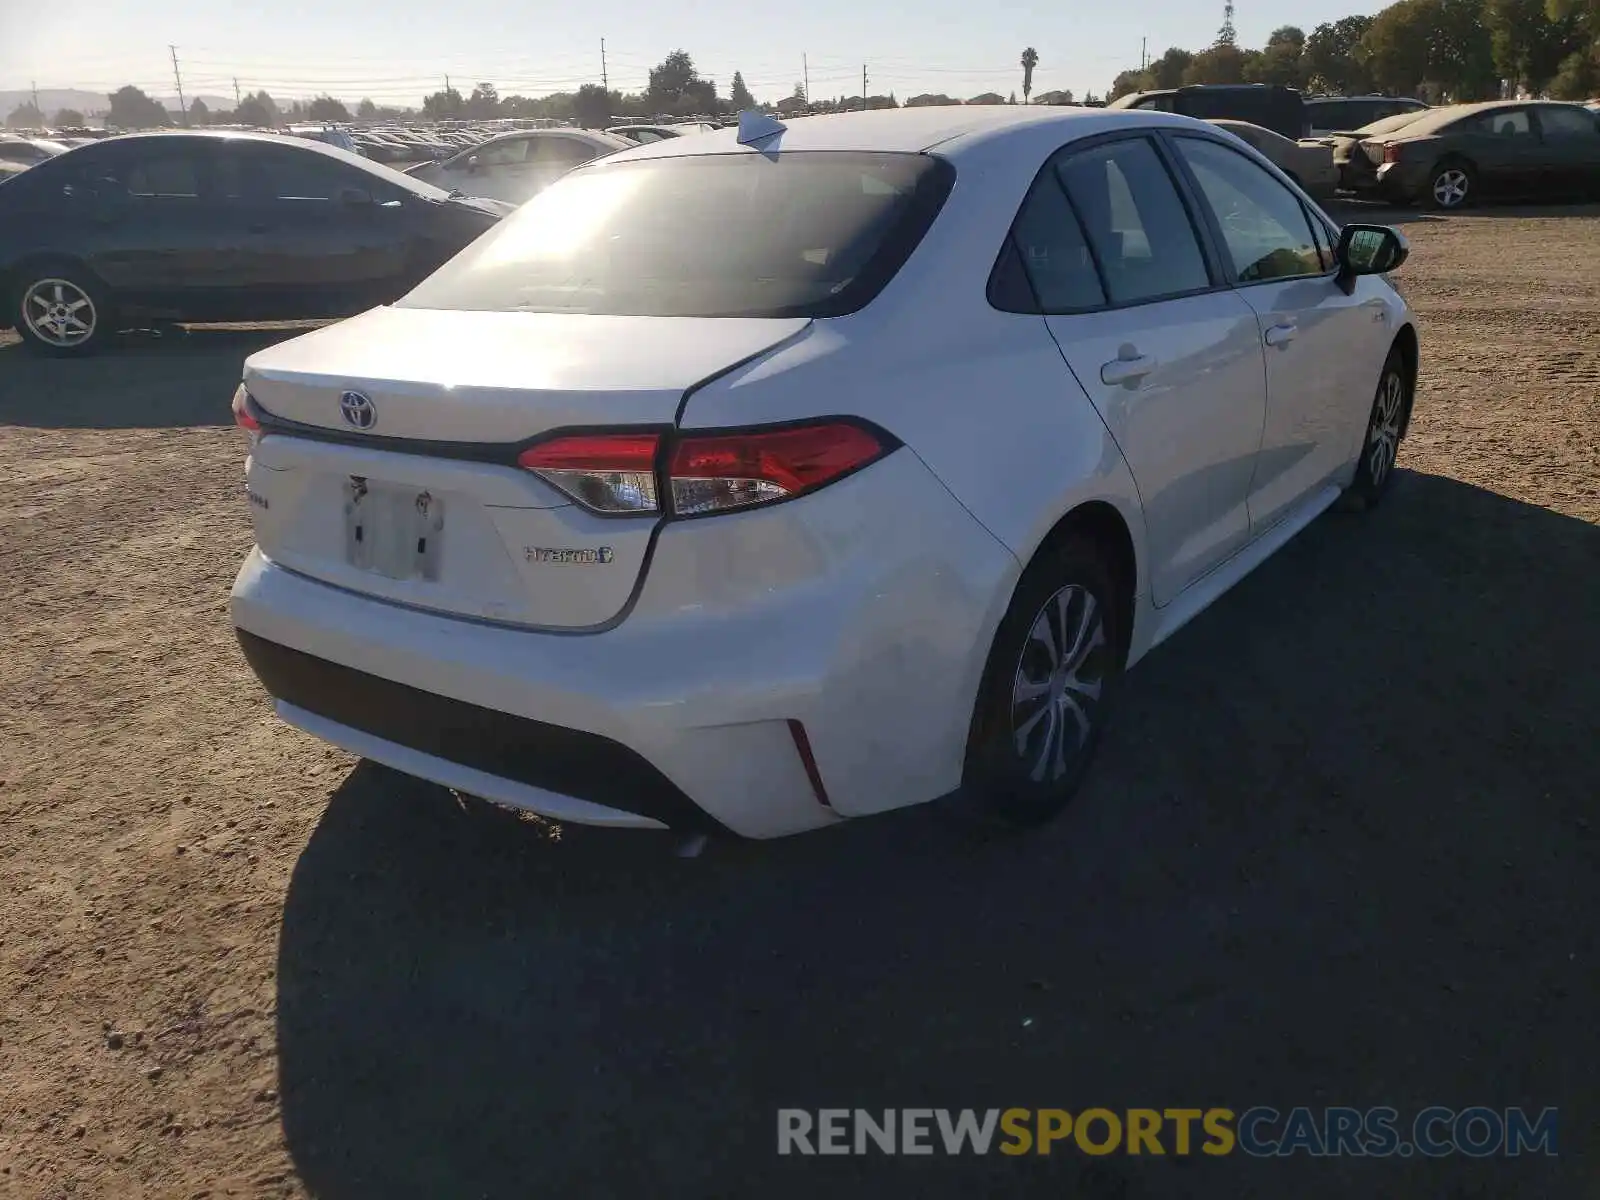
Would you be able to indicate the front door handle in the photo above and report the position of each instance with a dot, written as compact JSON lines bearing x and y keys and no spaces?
{"x":1281,"y":335}
{"x":1126,"y":371}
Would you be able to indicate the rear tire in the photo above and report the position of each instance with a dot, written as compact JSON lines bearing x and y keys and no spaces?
{"x":1380,"y":445}
{"x":60,"y":309}
{"x":1047,"y":691}
{"x":1452,"y":185}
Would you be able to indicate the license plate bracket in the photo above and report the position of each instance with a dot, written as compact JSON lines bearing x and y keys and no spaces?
{"x":393,"y":531}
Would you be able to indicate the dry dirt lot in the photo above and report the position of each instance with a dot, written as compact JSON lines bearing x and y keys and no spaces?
{"x":1341,"y":848}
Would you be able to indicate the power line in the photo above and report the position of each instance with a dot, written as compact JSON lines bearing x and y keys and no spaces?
{"x":177,"y":77}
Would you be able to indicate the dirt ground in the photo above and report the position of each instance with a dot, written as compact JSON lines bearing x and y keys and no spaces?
{"x":1341,"y":849}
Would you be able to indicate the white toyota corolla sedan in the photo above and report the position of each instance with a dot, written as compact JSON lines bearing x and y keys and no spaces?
{"x":762,"y":480}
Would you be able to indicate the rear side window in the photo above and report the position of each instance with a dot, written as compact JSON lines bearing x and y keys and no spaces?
{"x":1136,"y":223}
{"x":1512,"y":124}
{"x":164,"y":175}
{"x":812,"y":234}
{"x":564,"y":152}
{"x":1052,"y":252}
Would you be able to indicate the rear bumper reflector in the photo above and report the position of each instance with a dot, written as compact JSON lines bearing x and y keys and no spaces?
{"x":570,"y":762}
{"x":802,"y":744}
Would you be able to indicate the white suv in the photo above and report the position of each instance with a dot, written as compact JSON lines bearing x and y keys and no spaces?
{"x":812,"y":472}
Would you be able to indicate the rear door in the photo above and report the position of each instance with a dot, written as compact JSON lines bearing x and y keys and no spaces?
{"x":1322,"y":347}
{"x":319,"y":238}
{"x":1170,"y":358}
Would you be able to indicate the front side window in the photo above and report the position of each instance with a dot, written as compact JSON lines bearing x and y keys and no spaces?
{"x":279,"y":173}
{"x":1263,"y":225}
{"x":1136,"y":223}
{"x":1564,"y":124}
{"x":799,"y":234}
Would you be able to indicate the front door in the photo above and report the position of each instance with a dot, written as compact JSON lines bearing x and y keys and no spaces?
{"x":1171,"y":360}
{"x":1318,"y":341}
{"x":1571,"y":140}
{"x":319,"y":238}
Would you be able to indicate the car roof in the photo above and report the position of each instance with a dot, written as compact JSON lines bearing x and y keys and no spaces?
{"x":954,"y":129}
{"x":1434,"y":119}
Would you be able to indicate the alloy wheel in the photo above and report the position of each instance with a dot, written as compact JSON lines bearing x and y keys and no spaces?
{"x":1383,"y":439}
{"x":1450,"y":188}
{"x":1057,"y":687}
{"x":59,"y":312}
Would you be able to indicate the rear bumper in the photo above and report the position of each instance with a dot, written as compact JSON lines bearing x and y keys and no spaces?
{"x":863,"y":613}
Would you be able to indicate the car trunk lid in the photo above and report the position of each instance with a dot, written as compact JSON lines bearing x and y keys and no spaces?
{"x":388,"y":461}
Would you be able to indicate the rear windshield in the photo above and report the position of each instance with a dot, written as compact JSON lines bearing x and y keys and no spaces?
{"x":1398,"y":121}
{"x":720,"y":235}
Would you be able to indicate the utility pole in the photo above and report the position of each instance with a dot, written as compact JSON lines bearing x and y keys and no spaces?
{"x":805,"y":77}
{"x":236,"y":99}
{"x":177,"y":76}
{"x":605,"y":84}
{"x":36,"y":107}
{"x":863,"y":87}
{"x":1144,"y":54}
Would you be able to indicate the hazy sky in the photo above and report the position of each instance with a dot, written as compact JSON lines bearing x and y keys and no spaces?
{"x":397,"y":50}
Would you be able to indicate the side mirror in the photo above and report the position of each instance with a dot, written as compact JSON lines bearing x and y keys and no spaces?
{"x":1369,"y":250}
{"x":354,"y":196}
{"x":473,"y":163}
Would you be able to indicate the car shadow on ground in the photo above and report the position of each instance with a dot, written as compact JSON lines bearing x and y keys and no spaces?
{"x":1338,"y":850}
{"x":1348,"y":209}
{"x":182,"y":376}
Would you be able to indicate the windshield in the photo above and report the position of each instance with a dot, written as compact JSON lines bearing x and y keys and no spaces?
{"x":717,"y":235}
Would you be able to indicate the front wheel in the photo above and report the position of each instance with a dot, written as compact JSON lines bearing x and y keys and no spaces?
{"x":60,"y":310}
{"x":1381,"y":445}
{"x":1047,"y":690}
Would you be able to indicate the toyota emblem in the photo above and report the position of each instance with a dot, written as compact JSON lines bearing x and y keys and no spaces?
{"x":358,"y":410}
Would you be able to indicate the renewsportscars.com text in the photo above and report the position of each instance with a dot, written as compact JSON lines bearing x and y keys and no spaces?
{"x":1261,"y":1132}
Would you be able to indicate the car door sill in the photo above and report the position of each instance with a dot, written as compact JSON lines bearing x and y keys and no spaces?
{"x":1203,"y":592}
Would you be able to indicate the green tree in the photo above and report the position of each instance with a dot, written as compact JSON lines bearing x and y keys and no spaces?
{"x":326,"y":108}
{"x":1333,"y":62}
{"x":132,"y":109}
{"x":1438,"y":46}
{"x":676,"y":87}
{"x":259,"y":110}
{"x":739,"y":97}
{"x":69,"y":118}
{"x":592,"y":106}
{"x":26,"y":116}
{"x":1030,"y":60}
{"x":199,"y":112}
{"x":1168,"y":70}
{"x":484,"y":101}
{"x":1282,"y":62}
{"x":366,"y":110}
{"x":443,"y":104}
{"x":1529,"y":45}
{"x":1223,"y":63}
{"x":1579,"y":76}
{"x":1129,"y":82}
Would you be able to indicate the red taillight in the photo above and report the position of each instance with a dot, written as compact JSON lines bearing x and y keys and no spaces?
{"x":243,"y":417}
{"x":616,"y":473}
{"x":1391,"y":154}
{"x":609,"y":473}
{"x":723,"y":471}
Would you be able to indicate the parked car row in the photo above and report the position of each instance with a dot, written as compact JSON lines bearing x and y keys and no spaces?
{"x":1449,"y":157}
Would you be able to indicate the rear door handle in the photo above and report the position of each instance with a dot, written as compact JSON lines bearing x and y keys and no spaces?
{"x":1281,"y":335}
{"x":1123,"y":371}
